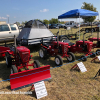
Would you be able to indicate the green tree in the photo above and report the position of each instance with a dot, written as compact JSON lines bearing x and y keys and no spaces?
{"x":89,"y":6}
{"x":18,"y":23}
{"x":53,"y":21}
{"x":45,"y":21}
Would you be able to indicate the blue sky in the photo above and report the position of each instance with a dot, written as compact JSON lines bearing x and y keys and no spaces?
{"x":25,"y":10}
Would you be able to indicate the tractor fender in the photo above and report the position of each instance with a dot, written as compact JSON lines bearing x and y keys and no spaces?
{"x":10,"y":52}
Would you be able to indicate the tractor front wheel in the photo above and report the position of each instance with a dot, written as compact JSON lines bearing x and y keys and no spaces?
{"x":83,"y":58}
{"x":8,"y":61}
{"x":98,"y":51}
{"x":14,"y":69}
{"x":58,"y":60}
{"x":42,"y":52}
{"x":71,"y":57}
{"x":36,"y":64}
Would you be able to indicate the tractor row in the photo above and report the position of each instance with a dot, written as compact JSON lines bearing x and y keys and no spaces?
{"x":66,"y":49}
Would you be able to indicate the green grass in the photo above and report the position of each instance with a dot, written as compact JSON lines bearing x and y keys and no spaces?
{"x":64,"y":85}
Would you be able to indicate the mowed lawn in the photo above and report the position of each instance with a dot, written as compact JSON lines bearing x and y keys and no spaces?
{"x":65,"y":84}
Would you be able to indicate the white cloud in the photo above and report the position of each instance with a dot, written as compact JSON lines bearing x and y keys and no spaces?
{"x":7,"y":15}
{"x":3,"y":18}
{"x":44,"y":10}
{"x":63,"y":10}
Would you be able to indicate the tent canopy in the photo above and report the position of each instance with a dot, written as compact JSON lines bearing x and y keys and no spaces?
{"x":78,"y":12}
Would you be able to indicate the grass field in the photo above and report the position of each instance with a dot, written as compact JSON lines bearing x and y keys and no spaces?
{"x":64,"y":85}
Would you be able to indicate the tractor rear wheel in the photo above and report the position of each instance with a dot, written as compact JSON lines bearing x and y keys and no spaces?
{"x":71,"y":57}
{"x":98,"y":51}
{"x":83,"y":58}
{"x":58,"y":60}
{"x":42,"y":52}
{"x":8,"y":61}
{"x":14,"y":69}
{"x":62,"y":39}
{"x":36,"y":64}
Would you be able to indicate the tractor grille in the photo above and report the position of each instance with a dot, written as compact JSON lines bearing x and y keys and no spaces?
{"x":65,"y":49}
{"x":25,"y":57}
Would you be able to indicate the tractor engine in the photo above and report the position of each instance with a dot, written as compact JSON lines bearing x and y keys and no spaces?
{"x":63,"y":47}
{"x":23,"y":53}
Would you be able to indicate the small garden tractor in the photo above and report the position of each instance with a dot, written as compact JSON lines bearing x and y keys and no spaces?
{"x":97,"y":43}
{"x":81,"y":46}
{"x":18,"y":58}
{"x":57,"y":49}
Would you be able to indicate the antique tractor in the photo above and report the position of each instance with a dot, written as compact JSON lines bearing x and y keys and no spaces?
{"x":81,"y":46}
{"x":97,"y":43}
{"x":18,"y":58}
{"x":57,"y":49}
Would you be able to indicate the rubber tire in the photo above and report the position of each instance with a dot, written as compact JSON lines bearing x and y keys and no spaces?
{"x":93,"y":54}
{"x":87,"y":30}
{"x":60,"y":60}
{"x":72,"y":55}
{"x":98,"y":53}
{"x":65,"y":27}
{"x":44,"y":52}
{"x":83,"y":58}
{"x":63,"y":38}
{"x":14,"y":69}
{"x":9,"y":60}
{"x":36,"y":64}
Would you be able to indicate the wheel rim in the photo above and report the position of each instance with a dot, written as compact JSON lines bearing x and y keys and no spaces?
{"x":35,"y":65}
{"x":6,"y":61}
{"x":69,"y":58}
{"x":63,"y":40}
{"x":57,"y":61}
{"x":41,"y":54}
{"x":98,"y":52}
{"x":83,"y":58}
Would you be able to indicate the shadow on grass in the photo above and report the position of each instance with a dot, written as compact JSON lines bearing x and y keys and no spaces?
{"x":4,"y":71}
{"x":33,"y":94}
{"x":47,"y":61}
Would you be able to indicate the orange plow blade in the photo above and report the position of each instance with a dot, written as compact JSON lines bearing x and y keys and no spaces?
{"x":28,"y":77}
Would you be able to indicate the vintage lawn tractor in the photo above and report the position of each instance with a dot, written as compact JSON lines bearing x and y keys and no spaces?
{"x":57,"y":49}
{"x":81,"y":46}
{"x":18,"y":58}
{"x":97,"y":43}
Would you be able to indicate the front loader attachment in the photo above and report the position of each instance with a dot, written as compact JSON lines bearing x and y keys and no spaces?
{"x":28,"y":77}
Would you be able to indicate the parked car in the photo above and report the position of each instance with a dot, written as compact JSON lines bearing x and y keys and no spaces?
{"x":60,"y":25}
{"x":53,"y":26}
{"x":7,"y":31}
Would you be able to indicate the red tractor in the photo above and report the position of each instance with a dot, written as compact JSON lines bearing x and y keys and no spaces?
{"x":81,"y":46}
{"x":57,"y":49}
{"x":18,"y":58}
{"x":97,"y":43}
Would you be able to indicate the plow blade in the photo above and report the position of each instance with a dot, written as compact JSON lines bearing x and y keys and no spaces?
{"x":28,"y":77}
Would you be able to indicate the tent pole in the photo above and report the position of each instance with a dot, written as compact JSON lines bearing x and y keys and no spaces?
{"x":99,"y":28}
{"x":79,"y":27}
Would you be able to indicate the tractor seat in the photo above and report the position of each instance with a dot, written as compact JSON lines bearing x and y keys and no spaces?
{"x":70,"y":43}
